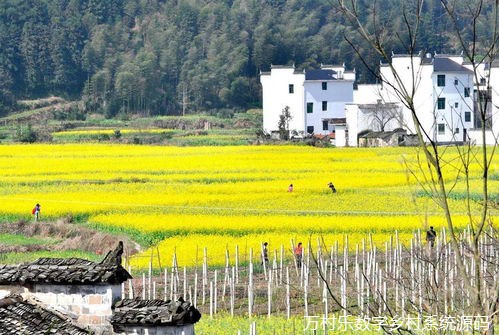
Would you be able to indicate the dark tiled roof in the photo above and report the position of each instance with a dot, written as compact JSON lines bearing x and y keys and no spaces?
{"x":337,"y":120}
{"x":320,"y":75}
{"x":133,"y":312}
{"x":383,"y":134}
{"x":67,"y":271}
{"x":447,"y":65}
{"x":19,"y":316}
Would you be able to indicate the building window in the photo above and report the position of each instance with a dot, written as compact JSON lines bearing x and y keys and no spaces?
{"x":324,"y":105}
{"x":291,"y":88}
{"x":310,"y":107}
{"x":466,"y":92}
{"x":456,"y":131}
{"x":467,"y":116}
{"x":441,"y":129}
{"x":325,"y":125}
{"x":310,"y":129}
{"x":456,"y":104}
{"x":324,"y":86}
{"x":483,"y":81}
{"x":441,"y":103}
{"x":456,"y":82}
{"x":441,"y":80}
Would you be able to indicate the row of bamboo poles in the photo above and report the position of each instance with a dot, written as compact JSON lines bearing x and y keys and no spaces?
{"x":397,"y":281}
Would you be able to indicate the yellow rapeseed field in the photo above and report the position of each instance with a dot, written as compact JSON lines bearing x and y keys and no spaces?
{"x":190,"y":198}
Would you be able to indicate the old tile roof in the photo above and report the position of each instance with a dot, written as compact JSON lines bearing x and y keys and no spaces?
{"x":320,"y":75}
{"x":67,"y":271}
{"x":134,"y":312}
{"x":383,"y":134}
{"x":20,"y":316}
{"x":448,"y":65}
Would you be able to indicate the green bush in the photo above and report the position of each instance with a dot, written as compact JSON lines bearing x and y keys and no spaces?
{"x":25,"y":134}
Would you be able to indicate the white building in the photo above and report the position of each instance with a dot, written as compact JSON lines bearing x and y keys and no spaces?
{"x":443,"y":99}
{"x":314,"y":97}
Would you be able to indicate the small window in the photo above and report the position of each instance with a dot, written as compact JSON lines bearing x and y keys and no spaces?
{"x":456,"y":104}
{"x":483,"y":81}
{"x":441,"y":103}
{"x":467,"y":116}
{"x":441,"y":80}
{"x":456,"y":131}
{"x":324,"y":85}
{"x":441,"y":128}
{"x":310,"y":129}
{"x":456,"y":82}
{"x":310,"y":107}
{"x":466,"y":92}
{"x":324,"y":105}
{"x":291,"y":88}
{"x":325,"y":125}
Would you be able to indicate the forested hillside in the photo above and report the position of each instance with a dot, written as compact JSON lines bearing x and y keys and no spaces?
{"x":147,"y":56}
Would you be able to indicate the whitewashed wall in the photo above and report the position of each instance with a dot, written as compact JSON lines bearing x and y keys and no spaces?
{"x":91,"y":303}
{"x":276,"y":96}
{"x":494,"y":83}
{"x":338,"y":93}
{"x":414,"y":74}
{"x":452,"y":117}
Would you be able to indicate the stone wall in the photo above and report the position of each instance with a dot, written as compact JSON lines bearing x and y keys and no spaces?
{"x":159,"y":330}
{"x":91,"y":304}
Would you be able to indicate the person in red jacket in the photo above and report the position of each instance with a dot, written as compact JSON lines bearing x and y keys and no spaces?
{"x":36,"y":212}
{"x":298,"y":254}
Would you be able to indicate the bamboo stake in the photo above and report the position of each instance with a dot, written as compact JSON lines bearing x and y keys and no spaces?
{"x":237,"y":264}
{"x":130,"y":285}
{"x":205,"y":275}
{"x":281,"y":264}
{"x":195,"y":289}
{"x":172,"y":281}
{"x":166,"y":283}
{"x":215,"y":292}
{"x":288,"y":299}
{"x":144,"y":286}
{"x":149,"y":279}
{"x":211,"y":300}
{"x":250,"y":284}
{"x":232,"y":291}
{"x":269,"y":297}
{"x":185,"y":283}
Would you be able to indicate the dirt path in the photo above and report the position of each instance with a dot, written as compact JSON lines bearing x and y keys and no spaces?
{"x":68,"y":236}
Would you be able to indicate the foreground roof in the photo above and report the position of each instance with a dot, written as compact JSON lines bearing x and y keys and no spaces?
{"x":20,"y":316}
{"x":136,"y":312}
{"x":67,"y":271}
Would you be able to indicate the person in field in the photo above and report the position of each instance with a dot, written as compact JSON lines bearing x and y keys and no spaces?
{"x":431,"y":236}
{"x":290,"y":188}
{"x":298,"y":254}
{"x":36,"y":212}
{"x":331,"y":187}
{"x":265,"y":253}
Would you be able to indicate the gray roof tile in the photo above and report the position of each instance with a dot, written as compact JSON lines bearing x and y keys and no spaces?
{"x":130,"y":312}
{"x":67,"y":271}
{"x":19,"y":316}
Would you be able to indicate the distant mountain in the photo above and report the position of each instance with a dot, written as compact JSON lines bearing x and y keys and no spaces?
{"x":155,"y":57}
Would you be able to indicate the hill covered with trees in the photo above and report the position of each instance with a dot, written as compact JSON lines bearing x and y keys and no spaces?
{"x":155,"y":56}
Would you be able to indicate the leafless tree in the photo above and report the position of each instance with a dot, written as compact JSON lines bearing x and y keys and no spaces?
{"x":442,"y":169}
{"x":381,"y":114}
